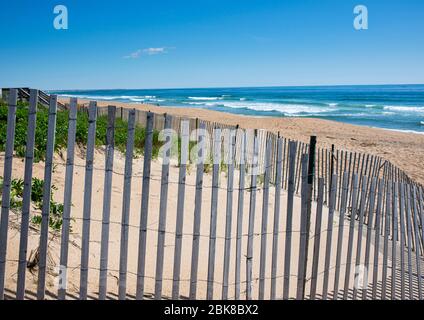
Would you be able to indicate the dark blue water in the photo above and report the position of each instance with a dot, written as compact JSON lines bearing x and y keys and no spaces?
{"x":397,"y":107}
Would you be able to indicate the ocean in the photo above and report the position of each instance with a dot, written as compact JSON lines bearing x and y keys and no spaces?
{"x":395,"y":107}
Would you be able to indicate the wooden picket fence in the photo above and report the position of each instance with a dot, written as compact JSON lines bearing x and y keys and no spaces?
{"x":371,"y":208}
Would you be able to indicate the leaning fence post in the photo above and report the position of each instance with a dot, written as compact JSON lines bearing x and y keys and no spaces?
{"x":351,"y":234}
{"x":185,"y":139}
{"x":163,"y":206}
{"x":67,"y":202}
{"x":45,"y":215}
{"x":141,"y":263}
{"x":386,"y":239}
{"x":201,"y":153}
{"x":417,"y":235}
{"x":264,"y":222}
{"x":26,"y":201}
{"x":123,"y":252}
{"x":7,"y":180}
{"x":107,"y":193}
{"x":252,"y":205}
{"x":309,"y":186}
{"x":402,"y":239}
{"x":359,"y":240}
{"x":229,"y":212}
{"x":340,"y":234}
{"x":331,"y":209}
{"x":289,"y":220}
{"x":368,"y":239}
{"x":378,"y":216}
{"x":278,"y":179}
{"x":85,"y":246}
{"x":394,"y":239}
{"x":409,"y":233}
{"x":214,"y":211}
{"x":240,"y":212}
{"x":301,"y":275}
{"x":331,"y":171}
{"x":317,"y":238}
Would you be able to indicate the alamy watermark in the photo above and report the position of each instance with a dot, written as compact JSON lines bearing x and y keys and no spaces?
{"x":360,"y":22}
{"x":60,"y":21}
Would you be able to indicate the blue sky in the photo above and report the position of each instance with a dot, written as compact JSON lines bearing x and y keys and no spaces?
{"x":210,"y":43}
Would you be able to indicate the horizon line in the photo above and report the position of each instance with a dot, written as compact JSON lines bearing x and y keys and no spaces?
{"x":246,"y":87}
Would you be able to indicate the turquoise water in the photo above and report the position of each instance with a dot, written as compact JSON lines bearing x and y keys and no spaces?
{"x":396,"y":107}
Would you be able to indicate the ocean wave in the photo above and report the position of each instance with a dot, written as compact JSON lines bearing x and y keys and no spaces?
{"x":96,"y":97}
{"x":333,"y":104}
{"x":401,"y":130}
{"x":405,"y":109}
{"x":422,"y":123}
{"x":370,"y":105}
{"x":81,"y":96}
{"x":287,"y":109}
{"x":205,"y":98}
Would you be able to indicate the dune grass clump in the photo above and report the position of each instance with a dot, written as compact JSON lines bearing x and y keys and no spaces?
{"x":62,"y":132}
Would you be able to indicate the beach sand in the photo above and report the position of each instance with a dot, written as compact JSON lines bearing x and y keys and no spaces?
{"x":404,"y":150}
{"x":152,"y":234}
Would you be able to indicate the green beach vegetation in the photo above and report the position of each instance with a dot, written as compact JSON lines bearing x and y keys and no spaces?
{"x":17,"y":186}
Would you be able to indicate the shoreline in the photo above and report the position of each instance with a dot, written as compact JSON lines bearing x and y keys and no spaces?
{"x":403,"y":149}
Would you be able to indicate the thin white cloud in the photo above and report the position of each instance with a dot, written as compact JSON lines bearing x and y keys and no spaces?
{"x":147,"y":51}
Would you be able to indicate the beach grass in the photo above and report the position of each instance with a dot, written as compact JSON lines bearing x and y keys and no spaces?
{"x":62,"y":132}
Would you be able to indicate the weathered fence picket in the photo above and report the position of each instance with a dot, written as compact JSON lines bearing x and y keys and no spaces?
{"x":252,"y":209}
{"x":240,"y":211}
{"x":67,"y":202}
{"x":340,"y":236}
{"x":317,"y":238}
{"x":350,"y":238}
{"x":264,"y":222}
{"x":228,"y":212}
{"x":88,"y":188}
{"x":163,"y":205}
{"x":289,"y":219}
{"x":123,"y":252}
{"x":26,"y":199}
{"x":185,"y":139}
{"x":45,"y":214}
{"x":368,"y":238}
{"x":141,"y":264}
{"x":276,"y":228}
{"x":7,"y":181}
{"x":301,"y":275}
{"x":378,"y":217}
{"x":331,"y":209}
{"x":197,"y":209}
{"x":107,"y":194}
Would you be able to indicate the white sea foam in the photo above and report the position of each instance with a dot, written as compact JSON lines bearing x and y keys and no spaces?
{"x":370,"y":105}
{"x":81,"y":96}
{"x":405,"y":109}
{"x":205,"y":98}
{"x":422,"y":123}
{"x":401,"y":130}
{"x":333,"y":104}
{"x":287,"y":109}
{"x":94,"y":97}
